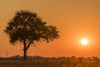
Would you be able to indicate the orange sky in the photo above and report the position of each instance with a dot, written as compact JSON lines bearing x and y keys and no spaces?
{"x":75,"y":19}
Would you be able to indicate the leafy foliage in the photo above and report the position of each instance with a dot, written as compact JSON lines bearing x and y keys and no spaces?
{"x":27,"y":26}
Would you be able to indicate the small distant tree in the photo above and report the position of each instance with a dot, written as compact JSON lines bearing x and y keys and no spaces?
{"x":26,"y":27}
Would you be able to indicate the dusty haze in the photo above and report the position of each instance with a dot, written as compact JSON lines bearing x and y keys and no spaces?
{"x":75,"y":20}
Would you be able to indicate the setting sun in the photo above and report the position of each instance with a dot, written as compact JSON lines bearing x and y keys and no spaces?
{"x":84,"y":41}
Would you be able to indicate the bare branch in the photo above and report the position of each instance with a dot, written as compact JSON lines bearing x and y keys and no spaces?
{"x":28,"y":45}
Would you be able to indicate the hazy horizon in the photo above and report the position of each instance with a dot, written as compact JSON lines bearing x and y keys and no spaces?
{"x":75,"y":20}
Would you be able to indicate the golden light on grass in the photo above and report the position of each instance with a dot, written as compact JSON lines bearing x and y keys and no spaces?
{"x":84,"y":41}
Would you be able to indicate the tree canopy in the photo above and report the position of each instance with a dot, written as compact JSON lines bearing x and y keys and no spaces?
{"x":27,"y":27}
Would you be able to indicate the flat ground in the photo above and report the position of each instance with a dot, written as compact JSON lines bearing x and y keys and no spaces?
{"x":49,"y":63}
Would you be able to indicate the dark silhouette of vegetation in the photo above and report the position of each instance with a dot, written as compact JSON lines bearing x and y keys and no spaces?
{"x":39,"y":61}
{"x":26,"y":27}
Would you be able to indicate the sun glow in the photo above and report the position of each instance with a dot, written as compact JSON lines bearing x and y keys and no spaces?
{"x":84,"y":42}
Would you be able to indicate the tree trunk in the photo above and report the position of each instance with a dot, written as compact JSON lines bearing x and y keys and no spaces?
{"x":25,"y":51}
{"x":24,"y":54}
{"x":26,"y":47}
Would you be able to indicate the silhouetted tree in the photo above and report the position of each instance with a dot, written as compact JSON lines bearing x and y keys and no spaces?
{"x":26,"y":27}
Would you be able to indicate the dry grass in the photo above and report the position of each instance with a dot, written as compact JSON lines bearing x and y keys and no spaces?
{"x":49,"y":63}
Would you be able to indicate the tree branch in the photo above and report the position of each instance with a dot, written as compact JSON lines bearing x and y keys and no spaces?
{"x":28,"y":46}
{"x":34,"y":45}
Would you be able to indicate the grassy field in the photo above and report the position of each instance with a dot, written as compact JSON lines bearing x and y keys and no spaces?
{"x":49,"y":63}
